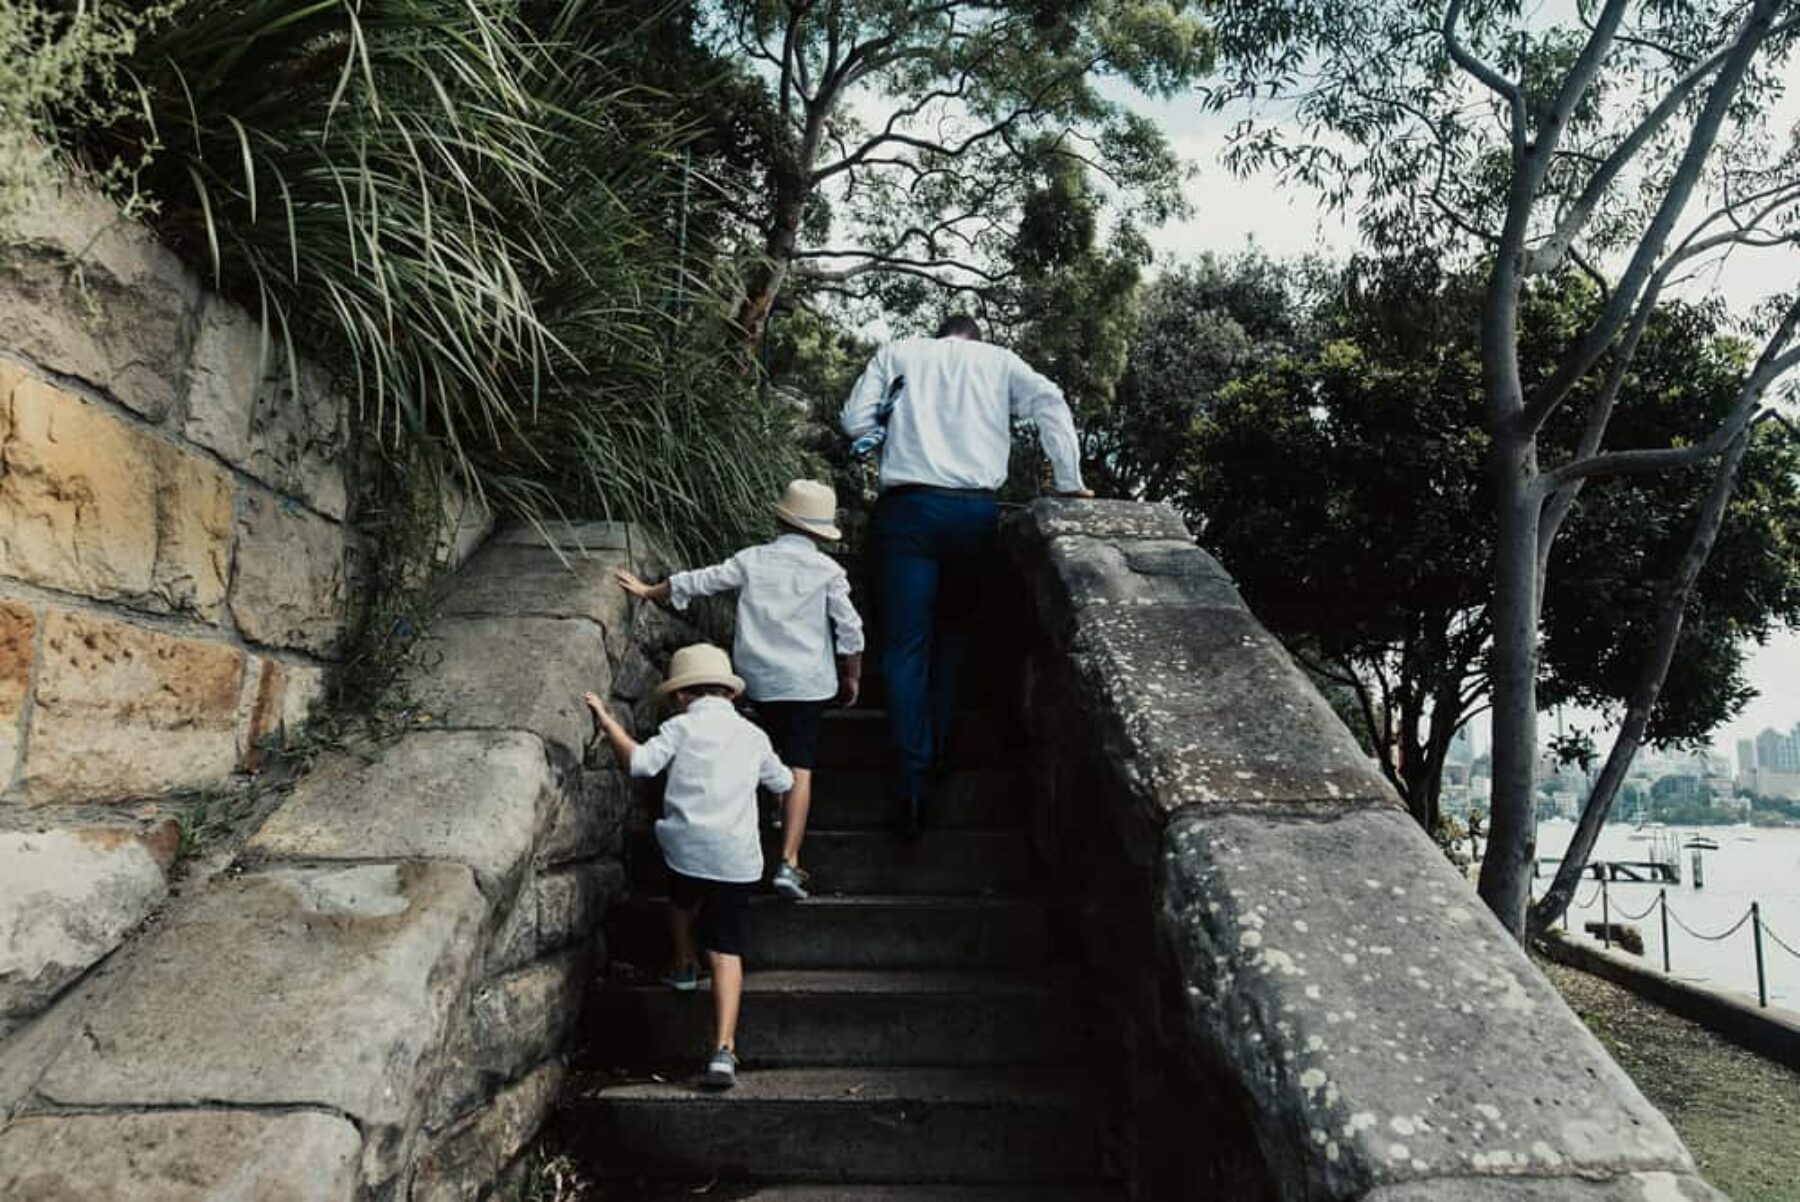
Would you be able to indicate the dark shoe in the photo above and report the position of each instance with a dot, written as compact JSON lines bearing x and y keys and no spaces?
{"x":916,"y":808}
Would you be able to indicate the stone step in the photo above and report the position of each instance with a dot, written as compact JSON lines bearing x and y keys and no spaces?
{"x":876,"y":932}
{"x":795,"y":1019}
{"x":939,"y":862}
{"x":860,"y":738}
{"x":942,"y":1192}
{"x":943,"y":862}
{"x":859,"y":799}
{"x":900,"y":1125}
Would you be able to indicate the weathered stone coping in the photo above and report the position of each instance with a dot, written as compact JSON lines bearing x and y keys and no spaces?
{"x":1768,"y":1031}
{"x":1388,"y":1037}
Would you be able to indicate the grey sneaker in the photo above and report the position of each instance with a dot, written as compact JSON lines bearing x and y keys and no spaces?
{"x":683,"y":980}
{"x":721,"y":1070}
{"x":789,"y":882}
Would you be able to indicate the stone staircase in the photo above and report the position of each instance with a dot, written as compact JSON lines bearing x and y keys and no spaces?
{"x":905,"y":1033}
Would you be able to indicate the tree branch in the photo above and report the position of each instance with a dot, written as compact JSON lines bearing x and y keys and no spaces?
{"x":1581,"y":358}
{"x":1495,"y":82}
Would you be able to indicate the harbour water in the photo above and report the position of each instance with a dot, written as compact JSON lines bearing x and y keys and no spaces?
{"x":1751,"y":864}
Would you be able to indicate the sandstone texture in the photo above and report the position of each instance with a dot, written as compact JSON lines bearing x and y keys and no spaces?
{"x":122,"y":711}
{"x":18,"y":634}
{"x":89,"y":294}
{"x":299,"y":438}
{"x":573,"y":537}
{"x":1111,"y":520}
{"x":525,"y":580}
{"x":91,"y":504}
{"x":230,"y":358}
{"x":514,"y":1023}
{"x":324,"y":987}
{"x":180,"y":1156}
{"x":1214,"y":711}
{"x":1632,"y":1187}
{"x":466,"y":1159}
{"x":515,"y":673}
{"x":1380,"y":1016}
{"x":288,"y":589}
{"x":1346,"y":1005}
{"x":473,"y":797}
{"x":67,"y":898}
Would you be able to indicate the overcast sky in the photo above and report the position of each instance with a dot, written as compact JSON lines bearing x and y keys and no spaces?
{"x":1230,"y":213}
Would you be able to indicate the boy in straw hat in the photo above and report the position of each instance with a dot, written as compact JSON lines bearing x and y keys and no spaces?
{"x":715,"y":760}
{"x":793,"y":608}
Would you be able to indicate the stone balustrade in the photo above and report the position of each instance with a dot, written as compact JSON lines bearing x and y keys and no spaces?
{"x":1301,"y":998}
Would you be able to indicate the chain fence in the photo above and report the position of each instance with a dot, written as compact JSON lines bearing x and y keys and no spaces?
{"x":1760,"y":930}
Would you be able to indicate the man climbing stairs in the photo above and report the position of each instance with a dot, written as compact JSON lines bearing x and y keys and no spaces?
{"x":905,"y":1033}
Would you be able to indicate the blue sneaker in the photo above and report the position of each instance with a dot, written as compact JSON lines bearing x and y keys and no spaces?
{"x":789,"y":882}
{"x":683,"y":980}
{"x":721,"y":1070}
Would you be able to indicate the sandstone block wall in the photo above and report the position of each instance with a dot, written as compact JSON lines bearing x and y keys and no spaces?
{"x":378,"y":1001}
{"x":1303,"y":999}
{"x":172,"y":539}
{"x":173,"y":572}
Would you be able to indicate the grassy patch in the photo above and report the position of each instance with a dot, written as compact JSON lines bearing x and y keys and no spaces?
{"x":1738,"y":1112}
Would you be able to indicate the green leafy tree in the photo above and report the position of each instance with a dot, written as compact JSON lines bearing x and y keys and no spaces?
{"x":911,"y":134}
{"x":1199,"y":327}
{"x":1346,"y":486}
{"x":1629,"y":141}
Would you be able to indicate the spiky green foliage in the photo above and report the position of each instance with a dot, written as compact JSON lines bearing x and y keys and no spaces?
{"x":461,"y":207}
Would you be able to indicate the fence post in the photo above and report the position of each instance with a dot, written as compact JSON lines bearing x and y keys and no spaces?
{"x":1605,"y":915}
{"x":1762,"y":981}
{"x":1663,"y":896}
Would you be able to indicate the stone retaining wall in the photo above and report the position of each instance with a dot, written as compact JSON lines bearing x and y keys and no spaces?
{"x":1303,"y":999}
{"x":376,"y":1002}
{"x":172,"y":548}
{"x":173,"y":567}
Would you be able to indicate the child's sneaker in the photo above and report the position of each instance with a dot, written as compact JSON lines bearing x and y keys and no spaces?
{"x":789,"y":882}
{"x":683,"y":980}
{"x":721,"y":1070}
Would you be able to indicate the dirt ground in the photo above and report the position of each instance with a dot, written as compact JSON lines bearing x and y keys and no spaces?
{"x":1739,"y":1113}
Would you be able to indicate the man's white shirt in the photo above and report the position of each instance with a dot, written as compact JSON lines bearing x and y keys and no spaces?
{"x":952,"y":425}
{"x":715,"y":758}
{"x":792,"y":600}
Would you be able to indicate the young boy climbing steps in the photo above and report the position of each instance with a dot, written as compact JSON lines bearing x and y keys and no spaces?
{"x":715,"y":760}
{"x":793,"y":610}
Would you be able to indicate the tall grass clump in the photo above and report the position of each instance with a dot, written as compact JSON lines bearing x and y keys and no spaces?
{"x":469,"y":213}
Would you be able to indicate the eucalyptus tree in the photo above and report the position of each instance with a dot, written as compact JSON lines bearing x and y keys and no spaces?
{"x":1630,"y":141}
{"x":913,"y":132}
{"x":1343,"y":483}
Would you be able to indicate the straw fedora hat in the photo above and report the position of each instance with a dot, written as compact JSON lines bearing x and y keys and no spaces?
{"x":698,"y":664}
{"x":810,"y":506}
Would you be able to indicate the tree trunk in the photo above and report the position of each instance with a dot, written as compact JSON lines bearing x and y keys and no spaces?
{"x":1643,"y":698}
{"x":1506,"y":869}
{"x":768,"y":276}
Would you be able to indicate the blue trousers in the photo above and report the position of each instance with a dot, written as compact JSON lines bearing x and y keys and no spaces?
{"x":931,"y":550}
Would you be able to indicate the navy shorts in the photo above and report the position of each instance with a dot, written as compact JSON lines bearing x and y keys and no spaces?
{"x":793,"y":727}
{"x":723,"y":924}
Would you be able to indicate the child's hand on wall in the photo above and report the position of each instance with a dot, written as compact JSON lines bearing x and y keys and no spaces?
{"x":633,"y":585}
{"x":593,"y":702}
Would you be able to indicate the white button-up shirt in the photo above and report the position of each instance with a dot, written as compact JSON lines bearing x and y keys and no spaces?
{"x":715,"y":758}
{"x":952,"y":423}
{"x":793,"y":606}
